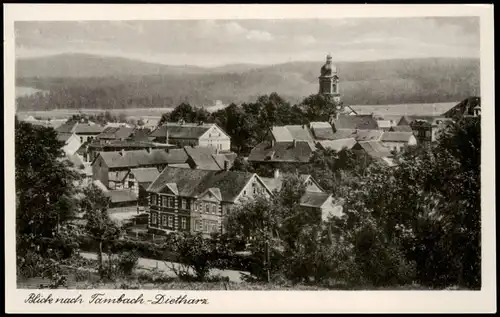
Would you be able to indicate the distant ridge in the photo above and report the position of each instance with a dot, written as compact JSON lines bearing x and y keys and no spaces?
{"x":398,"y":81}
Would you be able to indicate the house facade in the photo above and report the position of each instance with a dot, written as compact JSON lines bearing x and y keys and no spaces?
{"x":190,"y":134}
{"x":198,"y":200}
{"x":397,"y":141}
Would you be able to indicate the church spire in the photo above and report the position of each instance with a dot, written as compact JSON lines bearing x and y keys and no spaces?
{"x":328,"y":80}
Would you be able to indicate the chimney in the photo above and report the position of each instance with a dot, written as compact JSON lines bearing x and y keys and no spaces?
{"x":122,"y":152}
{"x":294,"y":143}
{"x":149,"y":150}
{"x":226,"y":165}
{"x":276,"y":173}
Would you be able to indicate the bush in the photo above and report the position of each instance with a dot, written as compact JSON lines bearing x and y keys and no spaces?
{"x":127,"y":262}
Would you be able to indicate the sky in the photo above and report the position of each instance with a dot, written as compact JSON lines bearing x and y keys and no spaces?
{"x":219,"y":42}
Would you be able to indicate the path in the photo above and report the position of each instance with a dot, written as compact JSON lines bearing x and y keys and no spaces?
{"x":234,"y":276}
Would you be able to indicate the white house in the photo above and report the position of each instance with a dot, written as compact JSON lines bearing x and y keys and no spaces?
{"x":396,"y":141}
{"x":71,"y":142}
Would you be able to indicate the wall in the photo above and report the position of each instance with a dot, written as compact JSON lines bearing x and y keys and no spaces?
{"x":216,"y":138}
{"x":100,"y":171}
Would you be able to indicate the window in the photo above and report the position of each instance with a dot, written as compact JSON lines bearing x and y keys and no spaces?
{"x":151,"y":199}
{"x":183,"y":203}
{"x":153,"y":219}
{"x":183,"y":223}
{"x":171,"y":221}
{"x":207,"y":208}
{"x":163,"y":220}
{"x":205,"y":226}
{"x":214,"y":209}
{"x":158,"y":200}
{"x":130,"y":184}
{"x":131,"y":176}
{"x":169,"y":202}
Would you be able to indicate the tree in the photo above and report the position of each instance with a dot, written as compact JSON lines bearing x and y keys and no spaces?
{"x":318,"y":107}
{"x":99,"y":225}
{"x":197,"y":254}
{"x":44,"y":185}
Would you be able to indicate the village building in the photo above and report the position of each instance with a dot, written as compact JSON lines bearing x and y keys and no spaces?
{"x":397,"y":141}
{"x":112,"y":168}
{"x":85,"y":131}
{"x":425,"y":128}
{"x":111,"y":133}
{"x":91,"y":150}
{"x":315,"y":200}
{"x":271,"y":153}
{"x":195,"y":200}
{"x":193,"y":134}
{"x":375,"y":149}
{"x":358,"y":122}
{"x":71,"y":142}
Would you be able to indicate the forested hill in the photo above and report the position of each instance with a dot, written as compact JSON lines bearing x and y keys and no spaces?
{"x":86,"y":81}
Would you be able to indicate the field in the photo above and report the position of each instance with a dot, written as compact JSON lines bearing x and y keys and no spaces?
{"x":421,"y":109}
{"x":415,"y":109}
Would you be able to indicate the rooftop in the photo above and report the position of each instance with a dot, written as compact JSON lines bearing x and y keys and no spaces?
{"x":282,"y":152}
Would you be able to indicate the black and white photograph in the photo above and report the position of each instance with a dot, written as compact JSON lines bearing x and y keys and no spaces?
{"x":248,"y":154}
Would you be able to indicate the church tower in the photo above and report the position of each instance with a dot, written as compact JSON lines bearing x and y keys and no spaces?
{"x":329,"y":81}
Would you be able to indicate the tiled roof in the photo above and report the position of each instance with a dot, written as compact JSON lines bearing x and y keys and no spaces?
{"x":134,"y":158}
{"x":282,"y":152}
{"x":401,"y":128}
{"x":314,"y":199}
{"x":177,"y":156}
{"x":87,"y":128}
{"x":181,"y":131}
{"x":397,"y":136}
{"x":117,"y":133}
{"x":322,"y":130}
{"x":373,"y":148}
{"x":203,"y":158}
{"x":194,"y":182}
{"x":355,"y":122}
{"x":119,"y":196}
{"x":141,"y":135}
{"x":337,"y":145}
{"x":145,"y":175}
{"x":290,"y":132}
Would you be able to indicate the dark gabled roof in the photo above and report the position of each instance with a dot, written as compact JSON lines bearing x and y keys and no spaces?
{"x":141,"y":135}
{"x":120,"y":196}
{"x":63,"y":137}
{"x":145,"y":174}
{"x":203,"y":157}
{"x":117,"y":133}
{"x":136,"y":158}
{"x":322,"y":130}
{"x":314,"y":199}
{"x":360,"y":122}
{"x":373,"y":148}
{"x":430,"y":120}
{"x":181,"y":131}
{"x":282,"y":152}
{"x":194,"y":182}
{"x":401,"y":128}
{"x":396,"y":136}
{"x":177,"y":156}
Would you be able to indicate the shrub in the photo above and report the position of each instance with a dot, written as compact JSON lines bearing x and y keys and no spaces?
{"x":127,"y":262}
